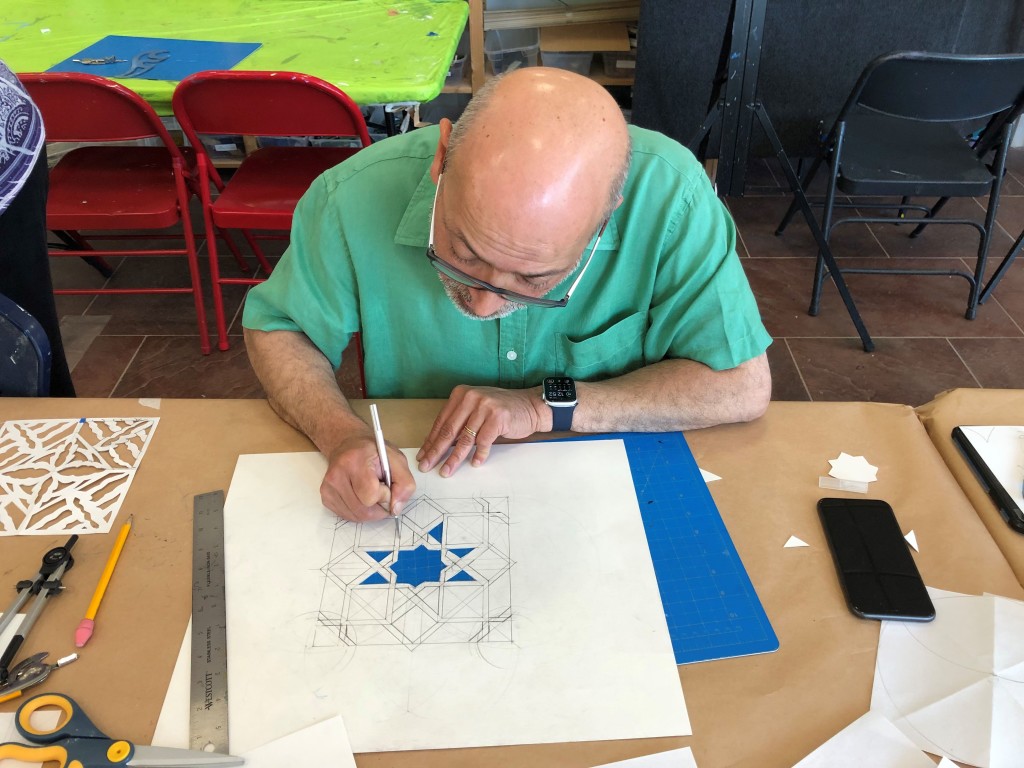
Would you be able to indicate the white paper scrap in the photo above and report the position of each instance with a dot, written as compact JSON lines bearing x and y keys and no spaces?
{"x":793,"y":541}
{"x":955,"y":686}
{"x":673,"y":758}
{"x":464,"y":621}
{"x":912,"y":540}
{"x":325,"y":743}
{"x":173,"y":724}
{"x":848,"y":467}
{"x":870,"y":741}
{"x":150,"y":402}
{"x":709,"y":477}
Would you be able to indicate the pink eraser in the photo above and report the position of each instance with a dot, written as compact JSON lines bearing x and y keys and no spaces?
{"x":84,"y":632}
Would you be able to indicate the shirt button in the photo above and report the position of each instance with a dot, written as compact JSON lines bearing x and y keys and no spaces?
{"x":511,"y":354}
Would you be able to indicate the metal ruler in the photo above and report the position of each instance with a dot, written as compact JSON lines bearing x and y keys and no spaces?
{"x":208,"y":723}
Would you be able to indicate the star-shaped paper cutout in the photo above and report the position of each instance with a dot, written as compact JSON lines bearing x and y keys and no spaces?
{"x":848,"y":467}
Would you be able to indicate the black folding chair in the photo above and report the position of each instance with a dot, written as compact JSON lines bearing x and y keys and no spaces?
{"x":901,"y":134}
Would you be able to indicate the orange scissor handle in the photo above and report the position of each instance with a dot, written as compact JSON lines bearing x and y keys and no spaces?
{"x":26,"y":754}
{"x":70,"y":711}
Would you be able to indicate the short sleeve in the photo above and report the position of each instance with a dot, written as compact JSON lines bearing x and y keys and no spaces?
{"x":312,"y":289}
{"x":703,"y":308}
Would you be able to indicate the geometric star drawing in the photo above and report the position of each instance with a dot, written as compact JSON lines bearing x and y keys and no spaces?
{"x":64,"y":476}
{"x":440,"y":573}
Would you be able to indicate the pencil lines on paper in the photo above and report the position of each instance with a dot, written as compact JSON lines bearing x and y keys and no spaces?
{"x":68,"y":475}
{"x":440,"y":573}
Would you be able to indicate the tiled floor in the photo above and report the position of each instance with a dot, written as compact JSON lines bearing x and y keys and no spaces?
{"x":147,"y":346}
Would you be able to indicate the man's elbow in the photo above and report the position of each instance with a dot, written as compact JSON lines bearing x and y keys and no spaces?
{"x":757,"y":392}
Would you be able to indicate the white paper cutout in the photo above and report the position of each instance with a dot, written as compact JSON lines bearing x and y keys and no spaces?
{"x":955,"y":686}
{"x":150,"y":402}
{"x":871,"y":741}
{"x":63,"y":476}
{"x":793,"y":541}
{"x":589,"y":657}
{"x":848,"y":467}
{"x":912,"y":540}
{"x":709,"y":477}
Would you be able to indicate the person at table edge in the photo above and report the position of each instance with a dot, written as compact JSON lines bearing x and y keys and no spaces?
{"x":661,"y":332}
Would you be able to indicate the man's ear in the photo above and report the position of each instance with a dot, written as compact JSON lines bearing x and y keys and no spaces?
{"x":437,"y":166}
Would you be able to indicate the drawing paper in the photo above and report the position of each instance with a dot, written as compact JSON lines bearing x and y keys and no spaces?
{"x":513,"y":603}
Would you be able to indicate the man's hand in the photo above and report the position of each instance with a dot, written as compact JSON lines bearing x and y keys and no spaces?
{"x":352,"y":487}
{"x":474,"y":417}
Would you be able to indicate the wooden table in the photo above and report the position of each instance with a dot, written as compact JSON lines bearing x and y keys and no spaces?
{"x":765,"y":711}
{"x":969,"y":407}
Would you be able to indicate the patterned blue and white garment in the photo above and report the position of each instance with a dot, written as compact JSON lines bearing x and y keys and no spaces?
{"x":21,"y":136}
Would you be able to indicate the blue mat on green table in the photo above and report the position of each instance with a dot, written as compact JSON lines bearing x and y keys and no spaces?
{"x":154,"y":58}
{"x":712,"y":609}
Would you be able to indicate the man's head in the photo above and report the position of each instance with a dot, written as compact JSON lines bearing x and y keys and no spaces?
{"x":531,"y":171}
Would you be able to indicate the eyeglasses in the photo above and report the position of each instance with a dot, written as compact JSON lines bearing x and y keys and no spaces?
{"x":459,"y":276}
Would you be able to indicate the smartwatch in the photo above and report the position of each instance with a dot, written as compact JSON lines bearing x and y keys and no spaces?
{"x":560,"y":395}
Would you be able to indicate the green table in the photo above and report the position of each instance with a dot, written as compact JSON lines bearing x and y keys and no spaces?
{"x":377,"y":51}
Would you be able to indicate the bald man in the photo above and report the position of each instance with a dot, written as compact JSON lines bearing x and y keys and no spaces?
{"x":540,"y":264}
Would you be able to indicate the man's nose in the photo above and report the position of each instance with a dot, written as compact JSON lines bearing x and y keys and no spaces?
{"x":484,"y":303}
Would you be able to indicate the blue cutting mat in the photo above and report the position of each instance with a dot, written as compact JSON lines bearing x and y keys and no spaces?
{"x":712,"y":609}
{"x":183,"y":57}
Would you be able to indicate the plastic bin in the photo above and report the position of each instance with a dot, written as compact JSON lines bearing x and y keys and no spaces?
{"x":508,"y":49}
{"x":575,"y":61}
{"x":455,"y":71}
{"x":619,"y":63}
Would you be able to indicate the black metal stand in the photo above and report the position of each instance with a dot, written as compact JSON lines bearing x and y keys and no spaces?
{"x":734,"y":112}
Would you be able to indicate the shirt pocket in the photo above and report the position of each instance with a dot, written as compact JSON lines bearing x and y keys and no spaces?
{"x":612,"y":352}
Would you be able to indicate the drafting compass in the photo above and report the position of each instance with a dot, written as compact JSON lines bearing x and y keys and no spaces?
{"x":29,"y":672}
{"x":44,"y":585}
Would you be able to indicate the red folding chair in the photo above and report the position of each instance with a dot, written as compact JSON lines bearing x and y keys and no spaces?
{"x":104,"y":189}
{"x":261,"y":194}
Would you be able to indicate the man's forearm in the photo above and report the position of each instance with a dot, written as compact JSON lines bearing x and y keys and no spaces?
{"x":674,"y":395}
{"x":301,"y":386}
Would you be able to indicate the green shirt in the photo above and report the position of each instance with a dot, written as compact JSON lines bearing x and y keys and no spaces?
{"x":665,"y":282}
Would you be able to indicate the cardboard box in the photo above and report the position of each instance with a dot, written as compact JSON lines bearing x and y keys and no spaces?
{"x":568,"y":38}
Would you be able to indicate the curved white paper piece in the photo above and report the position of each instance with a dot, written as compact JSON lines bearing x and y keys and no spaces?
{"x":871,"y":741}
{"x":955,"y":686}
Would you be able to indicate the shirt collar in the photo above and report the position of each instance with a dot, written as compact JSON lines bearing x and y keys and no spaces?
{"x":414,"y":228}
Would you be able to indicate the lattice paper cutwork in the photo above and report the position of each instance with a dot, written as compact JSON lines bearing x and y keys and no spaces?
{"x":68,"y":475}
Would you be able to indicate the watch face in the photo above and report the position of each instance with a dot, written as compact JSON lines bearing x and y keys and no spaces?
{"x":559,"y":389}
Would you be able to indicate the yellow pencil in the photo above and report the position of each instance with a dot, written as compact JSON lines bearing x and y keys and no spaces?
{"x":85,"y":628}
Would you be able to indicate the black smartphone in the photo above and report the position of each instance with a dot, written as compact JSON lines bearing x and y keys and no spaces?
{"x":873,"y":560}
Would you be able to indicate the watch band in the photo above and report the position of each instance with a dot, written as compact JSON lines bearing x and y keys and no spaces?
{"x":561,"y":417}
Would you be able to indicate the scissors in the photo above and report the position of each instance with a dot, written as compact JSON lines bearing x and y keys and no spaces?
{"x":76,"y":743}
